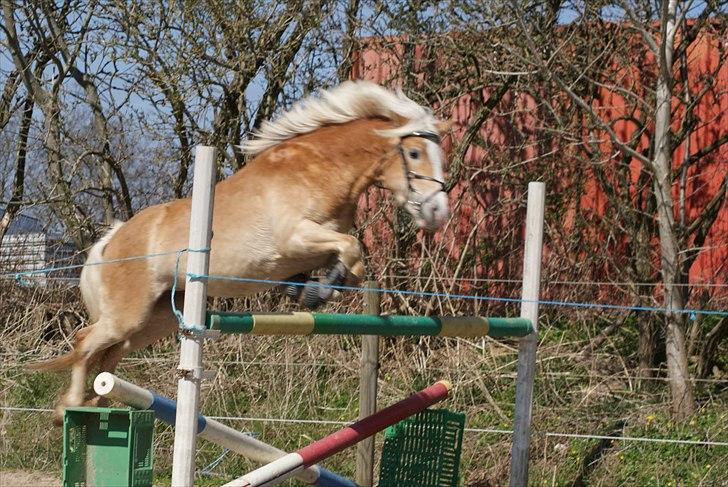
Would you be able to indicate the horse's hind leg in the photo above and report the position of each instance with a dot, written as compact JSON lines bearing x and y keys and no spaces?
{"x":160,"y":323}
{"x":294,"y":288}
{"x":118,"y":322}
{"x":100,"y":336}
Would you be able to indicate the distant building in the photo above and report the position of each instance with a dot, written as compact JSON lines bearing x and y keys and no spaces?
{"x":28,"y":246}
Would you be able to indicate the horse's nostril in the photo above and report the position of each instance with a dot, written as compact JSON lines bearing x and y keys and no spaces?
{"x":443,"y":214}
{"x":429,"y":212}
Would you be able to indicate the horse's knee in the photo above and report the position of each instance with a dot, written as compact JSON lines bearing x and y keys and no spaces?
{"x":356,"y":273}
{"x":350,"y":251}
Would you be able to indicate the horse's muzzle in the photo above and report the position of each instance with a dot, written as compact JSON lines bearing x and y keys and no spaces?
{"x":434,"y":211}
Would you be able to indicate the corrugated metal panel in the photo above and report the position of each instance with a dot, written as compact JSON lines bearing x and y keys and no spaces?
{"x":377,"y":61}
{"x":36,"y":251}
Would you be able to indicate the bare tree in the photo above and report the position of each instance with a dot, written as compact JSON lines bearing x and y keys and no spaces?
{"x":95,"y":70}
{"x":18,"y":185}
{"x":680,"y":242}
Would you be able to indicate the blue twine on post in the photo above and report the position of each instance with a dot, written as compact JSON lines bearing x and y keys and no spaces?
{"x":177,"y":313}
{"x":19,"y":279}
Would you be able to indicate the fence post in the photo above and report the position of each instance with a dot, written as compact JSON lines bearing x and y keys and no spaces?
{"x":527,"y":345}
{"x":368,"y":389}
{"x":195,"y":307}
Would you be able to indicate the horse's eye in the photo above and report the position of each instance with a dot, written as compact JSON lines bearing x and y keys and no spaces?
{"x":414,"y":154}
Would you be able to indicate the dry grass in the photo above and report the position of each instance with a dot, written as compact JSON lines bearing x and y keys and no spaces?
{"x":317,"y":378}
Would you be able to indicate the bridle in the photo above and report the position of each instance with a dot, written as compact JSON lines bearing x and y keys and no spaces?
{"x":410,"y":175}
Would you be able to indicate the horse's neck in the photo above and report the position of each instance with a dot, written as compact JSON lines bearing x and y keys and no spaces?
{"x":340,"y":162}
{"x":357,"y":155}
{"x":356,"y":152}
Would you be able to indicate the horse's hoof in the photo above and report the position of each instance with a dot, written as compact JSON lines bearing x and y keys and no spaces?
{"x":311,"y":299}
{"x":294,"y":290}
{"x":57,"y":416}
{"x":314,"y":295}
{"x":94,"y":401}
{"x":337,"y":274}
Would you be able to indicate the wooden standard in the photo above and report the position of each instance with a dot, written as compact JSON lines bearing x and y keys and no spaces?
{"x":368,"y":389}
{"x":192,"y":338}
{"x":527,"y":345}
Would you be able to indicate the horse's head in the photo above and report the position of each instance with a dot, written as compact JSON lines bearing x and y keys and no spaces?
{"x":411,"y":162}
{"x":414,"y":174}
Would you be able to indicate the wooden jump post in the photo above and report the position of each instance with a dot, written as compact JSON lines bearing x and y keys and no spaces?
{"x":289,"y":465}
{"x":526,"y":371}
{"x":192,"y":338}
{"x":165,"y":409}
{"x":368,"y":372}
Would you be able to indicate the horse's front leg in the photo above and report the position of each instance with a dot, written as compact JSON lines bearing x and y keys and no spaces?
{"x":294,"y":286}
{"x":311,"y":240}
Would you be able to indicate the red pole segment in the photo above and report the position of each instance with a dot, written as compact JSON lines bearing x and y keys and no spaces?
{"x":287,"y":466}
{"x":350,"y":435}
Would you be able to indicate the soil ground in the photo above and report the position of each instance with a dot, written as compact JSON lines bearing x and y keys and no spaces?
{"x":22,"y":478}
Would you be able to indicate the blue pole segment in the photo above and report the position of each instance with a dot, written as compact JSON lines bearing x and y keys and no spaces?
{"x":328,"y":478}
{"x":165,"y":409}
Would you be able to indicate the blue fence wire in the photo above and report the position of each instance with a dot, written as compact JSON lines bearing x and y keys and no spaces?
{"x":692,"y":312}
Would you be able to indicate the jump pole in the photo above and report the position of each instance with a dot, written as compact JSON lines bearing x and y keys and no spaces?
{"x":195,"y":307}
{"x":305,"y":323}
{"x":527,"y":345}
{"x":289,"y":465}
{"x":110,"y":386}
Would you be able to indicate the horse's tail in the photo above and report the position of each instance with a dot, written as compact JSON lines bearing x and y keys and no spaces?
{"x":90,"y":282}
{"x":65,"y":360}
{"x":57,"y":363}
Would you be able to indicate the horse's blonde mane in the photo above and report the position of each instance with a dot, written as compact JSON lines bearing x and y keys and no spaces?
{"x":349,"y":101}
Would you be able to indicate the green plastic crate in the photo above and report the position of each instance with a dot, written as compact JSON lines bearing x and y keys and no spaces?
{"x":107,"y":447}
{"x":423,"y":450}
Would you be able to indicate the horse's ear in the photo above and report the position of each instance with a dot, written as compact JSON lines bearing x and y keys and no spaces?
{"x":444,"y":126}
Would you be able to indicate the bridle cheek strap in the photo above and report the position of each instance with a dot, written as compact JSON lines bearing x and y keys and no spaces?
{"x":411,"y":175}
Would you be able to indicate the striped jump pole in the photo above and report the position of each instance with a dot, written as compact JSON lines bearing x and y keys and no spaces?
{"x":165,"y":409}
{"x":303,"y":323}
{"x":289,"y":465}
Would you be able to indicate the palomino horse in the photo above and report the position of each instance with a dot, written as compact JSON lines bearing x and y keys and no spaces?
{"x":285,"y":213}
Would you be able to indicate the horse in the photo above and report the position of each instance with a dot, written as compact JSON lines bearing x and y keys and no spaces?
{"x":284,"y":214}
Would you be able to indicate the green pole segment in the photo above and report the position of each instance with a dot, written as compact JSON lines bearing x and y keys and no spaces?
{"x":509,"y":327}
{"x":350,"y":324}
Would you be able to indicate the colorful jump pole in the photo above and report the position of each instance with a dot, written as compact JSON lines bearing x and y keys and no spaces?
{"x":289,"y":465}
{"x":303,"y":323}
{"x":165,"y":409}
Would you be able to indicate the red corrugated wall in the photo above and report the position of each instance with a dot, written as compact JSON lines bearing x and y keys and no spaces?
{"x":704,"y":178}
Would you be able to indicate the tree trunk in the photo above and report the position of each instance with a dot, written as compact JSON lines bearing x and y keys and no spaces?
{"x":348,"y":42}
{"x":16,"y":197}
{"x":683,"y":403}
{"x":706,"y":359}
{"x":77,"y":224}
{"x":649,"y":333}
